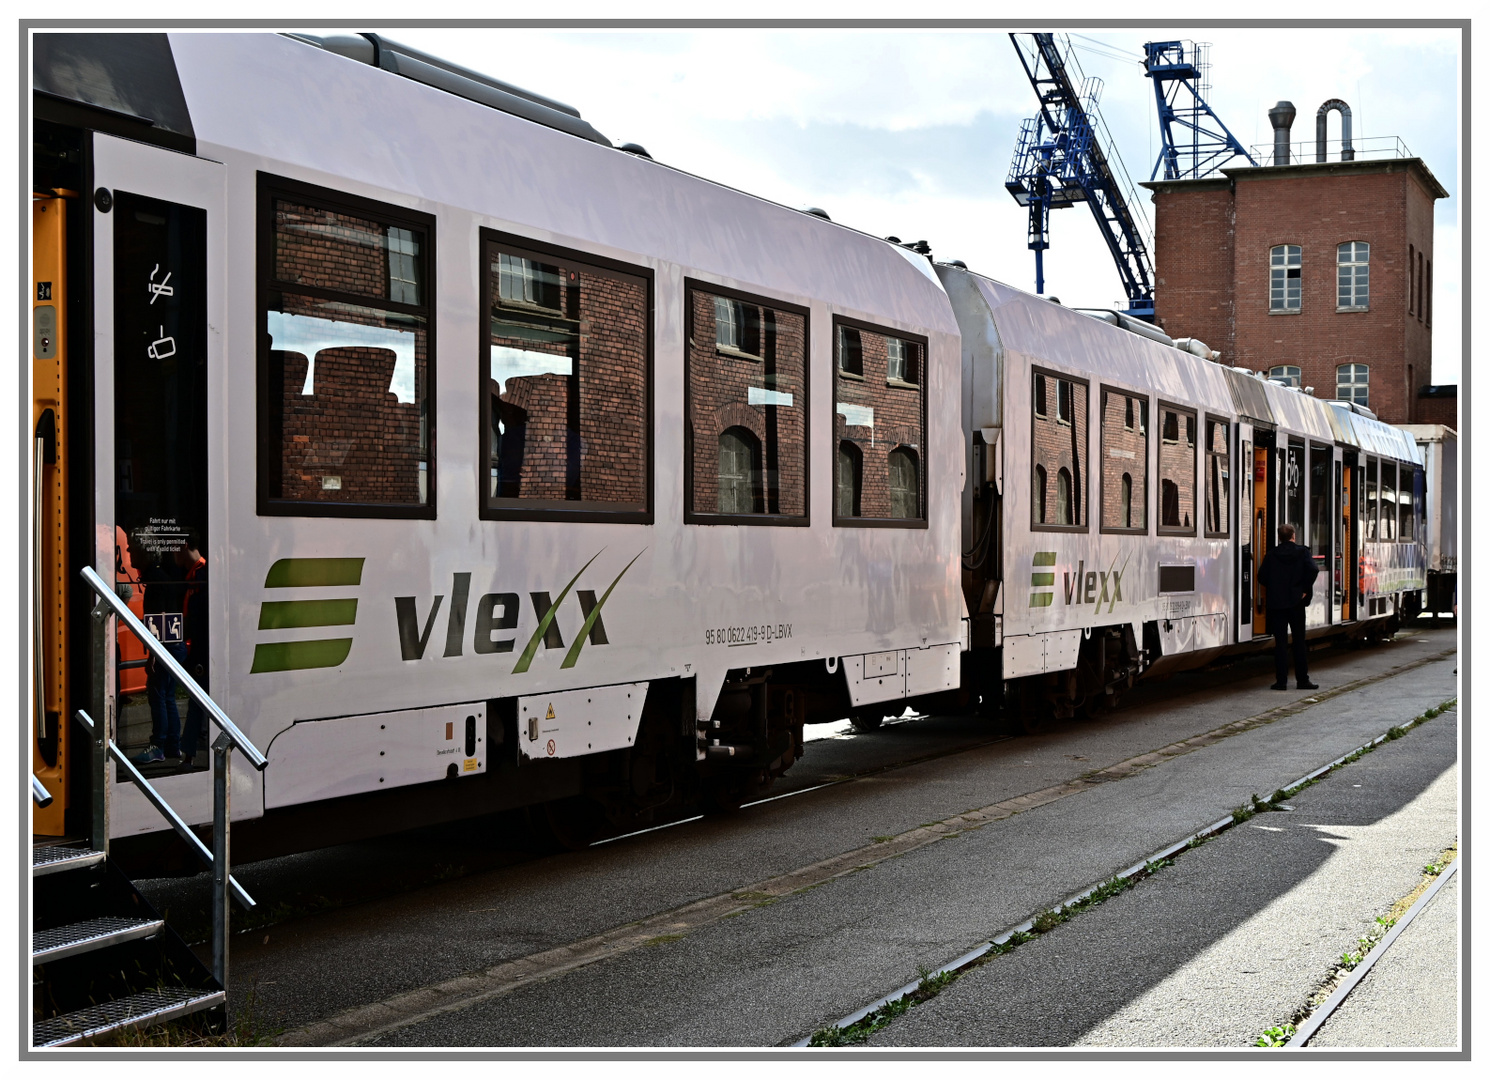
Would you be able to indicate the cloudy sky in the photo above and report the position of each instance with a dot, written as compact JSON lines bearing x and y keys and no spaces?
{"x":911,"y":132}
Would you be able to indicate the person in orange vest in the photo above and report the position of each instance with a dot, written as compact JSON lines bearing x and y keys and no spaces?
{"x":194,"y":628}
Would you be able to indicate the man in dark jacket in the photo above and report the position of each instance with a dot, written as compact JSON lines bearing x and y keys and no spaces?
{"x":1287,"y":573}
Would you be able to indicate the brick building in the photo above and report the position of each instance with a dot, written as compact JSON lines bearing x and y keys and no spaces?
{"x":1319,"y":273}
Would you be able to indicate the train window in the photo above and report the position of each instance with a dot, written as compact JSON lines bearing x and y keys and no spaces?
{"x":1177,"y":471}
{"x":1404,"y":504}
{"x":1293,"y":490}
{"x":1372,"y":509}
{"x":745,"y":404}
{"x":1388,"y":531}
{"x":1217,"y":478}
{"x":565,"y":373}
{"x":882,"y":416}
{"x":1059,"y":454}
{"x":347,"y":355}
{"x":1321,"y":504}
{"x":1125,"y":461}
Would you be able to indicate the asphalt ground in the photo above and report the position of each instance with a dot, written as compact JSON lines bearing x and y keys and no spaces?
{"x":1410,"y":997}
{"x":1234,"y":937}
{"x":776,"y":973}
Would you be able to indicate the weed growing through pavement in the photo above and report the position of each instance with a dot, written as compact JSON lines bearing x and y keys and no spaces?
{"x":1276,"y":1036}
{"x":247,"y":1027}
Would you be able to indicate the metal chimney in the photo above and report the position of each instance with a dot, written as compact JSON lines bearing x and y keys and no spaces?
{"x":1281,"y":117}
{"x":1322,"y":126}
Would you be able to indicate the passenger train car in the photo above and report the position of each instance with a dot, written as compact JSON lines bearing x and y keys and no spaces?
{"x":474,"y":463}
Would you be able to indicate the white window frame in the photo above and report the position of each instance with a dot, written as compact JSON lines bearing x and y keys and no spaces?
{"x":1292,"y":374}
{"x":1353,"y":383}
{"x":1353,"y":276}
{"x":1285,"y":293}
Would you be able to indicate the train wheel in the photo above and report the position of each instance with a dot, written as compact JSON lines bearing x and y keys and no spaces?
{"x":866,"y":722}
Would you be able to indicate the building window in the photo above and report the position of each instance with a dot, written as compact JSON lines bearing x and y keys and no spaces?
{"x":1353,"y":274}
{"x":849,"y":482}
{"x":1428,"y":297}
{"x":565,"y":373}
{"x":905,"y":483}
{"x":1422,"y":300}
{"x":879,"y":416}
{"x":1288,"y":374}
{"x":902,"y":366}
{"x":740,"y":489}
{"x":746,"y":379}
{"x":1412,"y":285}
{"x":1177,"y":472}
{"x":1286,"y":278}
{"x":850,"y":351}
{"x":345,"y":427}
{"x":1060,"y":449}
{"x":1217,"y":478}
{"x":1125,"y":460}
{"x":1351,"y":383}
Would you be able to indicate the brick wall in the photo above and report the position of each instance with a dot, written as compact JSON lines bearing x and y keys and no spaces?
{"x":1194,"y":235}
{"x":897,"y":419}
{"x":1438,"y":410}
{"x":719,"y":382}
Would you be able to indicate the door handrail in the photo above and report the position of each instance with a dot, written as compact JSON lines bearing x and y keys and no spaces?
{"x":182,"y":828}
{"x":240,"y":741}
{"x":39,"y":793}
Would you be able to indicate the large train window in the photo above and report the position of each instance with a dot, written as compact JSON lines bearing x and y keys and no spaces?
{"x":1372,"y":508}
{"x":1388,"y":531}
{"x":566,"y":372}
{"x":745,"y":410}
{"x":1125,"y":461}
{"x":1405,"y":528}
{"x":1217,"y":478}
{"x":1058,"y":456}
{"x":1321,"y":503}
{"x":346,"y":355}
{"x":879,"y":425}
{"x":1176,"y":470}
{"x":1293,"y":489}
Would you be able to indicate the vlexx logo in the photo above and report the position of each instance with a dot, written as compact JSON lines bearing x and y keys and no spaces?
{"x":295,"y":614}
{"x":1042,"y":579}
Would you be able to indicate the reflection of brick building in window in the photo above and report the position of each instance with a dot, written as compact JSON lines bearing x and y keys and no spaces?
{"x":326,"y":250}
{"x":351,"y":434}
{"x":1060,"y":442}
{"x":1124,"y":453}
{"x":896,"y":419}
{"x":576,"y":432}
{"x":721,"y":383}
{"x":1176,"y":471}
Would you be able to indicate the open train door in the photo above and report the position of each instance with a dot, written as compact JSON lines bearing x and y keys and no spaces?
{"x":1246,"y":576}
{"x":1261,"y":522}
{"x":158,"y":443}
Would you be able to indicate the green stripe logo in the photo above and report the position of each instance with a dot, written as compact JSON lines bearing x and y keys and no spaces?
{"x":297,"y":614}
{"x":1042,"y":578}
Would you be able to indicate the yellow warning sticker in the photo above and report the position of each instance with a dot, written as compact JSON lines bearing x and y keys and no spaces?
{"x":471,"y":764}
{"x":550,"y":715}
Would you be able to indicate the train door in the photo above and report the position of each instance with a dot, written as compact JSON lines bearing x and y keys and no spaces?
{"x":1245,"y":572}
{"x":1263,"y":457}
{"x":157,"y":227}
{"x":1322,"y":504}
{"x":1346,"y":547}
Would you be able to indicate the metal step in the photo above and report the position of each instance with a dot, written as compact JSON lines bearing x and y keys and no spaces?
{"x":90,"y":934}
{"x":141,"y":1010}
{"x":52,"y":860}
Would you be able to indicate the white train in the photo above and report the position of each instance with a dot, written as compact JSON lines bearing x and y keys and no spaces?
{"x":524,"y":469}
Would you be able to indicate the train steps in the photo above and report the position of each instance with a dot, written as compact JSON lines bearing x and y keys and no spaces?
{"x":102,"y":959}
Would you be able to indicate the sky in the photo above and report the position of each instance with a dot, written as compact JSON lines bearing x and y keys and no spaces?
{"x":911,"y":132}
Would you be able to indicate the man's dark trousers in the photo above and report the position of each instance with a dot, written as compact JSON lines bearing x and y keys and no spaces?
{"x":1282,"y":622}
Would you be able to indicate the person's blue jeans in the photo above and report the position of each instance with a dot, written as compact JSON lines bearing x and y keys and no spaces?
{"x":194,"y":733}
{"x":160,"y":691}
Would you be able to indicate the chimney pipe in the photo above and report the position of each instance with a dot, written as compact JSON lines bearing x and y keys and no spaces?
{"x":1322,"y":130}
{"x":1281,"y":117}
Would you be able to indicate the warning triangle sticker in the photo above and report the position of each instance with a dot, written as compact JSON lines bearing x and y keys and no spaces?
{"x":550,"y":715}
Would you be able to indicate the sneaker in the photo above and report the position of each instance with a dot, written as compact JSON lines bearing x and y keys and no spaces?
{"x":1308,"y":686}
{"x":149,"y":756}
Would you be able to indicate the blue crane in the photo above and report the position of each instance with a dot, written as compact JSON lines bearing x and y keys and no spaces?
{"x":1065,"y":156}
{"x":1178,"y":69}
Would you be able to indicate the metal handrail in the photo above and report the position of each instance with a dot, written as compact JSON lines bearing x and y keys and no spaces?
{"x":156,"y":800}
{"x":240,"y":741}
{"x":39,"y":793}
